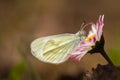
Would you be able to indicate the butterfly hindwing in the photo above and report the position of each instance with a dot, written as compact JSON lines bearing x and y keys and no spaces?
{"x":58,"y":54}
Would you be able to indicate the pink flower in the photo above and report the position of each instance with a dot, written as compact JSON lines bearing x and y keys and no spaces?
{"x":90,"y":41}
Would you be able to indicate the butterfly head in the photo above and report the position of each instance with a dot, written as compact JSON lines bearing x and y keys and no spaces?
{"x":82,"y":33}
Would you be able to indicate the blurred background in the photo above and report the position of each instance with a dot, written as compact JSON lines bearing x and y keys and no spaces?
{"x":22,"y":21}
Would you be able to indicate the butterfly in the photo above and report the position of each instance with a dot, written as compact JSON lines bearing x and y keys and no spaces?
{"x":56,"y":48}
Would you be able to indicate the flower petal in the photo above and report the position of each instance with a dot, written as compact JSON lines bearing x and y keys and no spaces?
{"x":100,"y":26}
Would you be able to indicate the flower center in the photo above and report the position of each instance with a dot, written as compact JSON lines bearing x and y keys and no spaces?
{"x":91,"y":37}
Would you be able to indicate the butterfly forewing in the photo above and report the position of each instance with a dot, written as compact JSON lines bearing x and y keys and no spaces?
{"x":54,"y":49}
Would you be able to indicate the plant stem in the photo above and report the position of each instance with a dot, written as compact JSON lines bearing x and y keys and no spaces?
{"x":104,"y":54}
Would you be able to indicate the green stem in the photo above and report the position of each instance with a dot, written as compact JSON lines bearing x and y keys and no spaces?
{"x":28,"y":65}
{"x":104,"y":54}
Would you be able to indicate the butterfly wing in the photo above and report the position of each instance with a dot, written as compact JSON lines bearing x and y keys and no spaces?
{"x":54,"y":49}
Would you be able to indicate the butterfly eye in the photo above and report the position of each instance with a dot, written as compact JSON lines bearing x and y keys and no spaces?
{"x":82,"y":33}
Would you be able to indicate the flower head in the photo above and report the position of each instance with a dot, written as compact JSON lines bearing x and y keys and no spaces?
{"x":94,"y":36}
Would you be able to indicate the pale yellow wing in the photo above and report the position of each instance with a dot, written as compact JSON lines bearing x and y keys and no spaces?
{"x":54,"y":49}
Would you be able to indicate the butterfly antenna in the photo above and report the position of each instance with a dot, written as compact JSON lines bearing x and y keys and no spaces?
{"x":83,"y":25}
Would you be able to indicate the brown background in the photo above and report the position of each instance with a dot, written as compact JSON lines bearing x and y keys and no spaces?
{"x":21,"y":21}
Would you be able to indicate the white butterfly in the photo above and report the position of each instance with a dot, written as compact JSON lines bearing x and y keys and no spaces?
{"x":55,"y":49}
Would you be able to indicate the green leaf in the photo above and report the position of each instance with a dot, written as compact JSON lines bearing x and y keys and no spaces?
{"x":17,"y":71}
{"x":33,"y":75}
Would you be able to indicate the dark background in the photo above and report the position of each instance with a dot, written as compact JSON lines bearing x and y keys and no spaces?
{"x":22,"y":21}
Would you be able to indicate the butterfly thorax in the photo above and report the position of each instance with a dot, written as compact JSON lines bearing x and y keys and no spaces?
{"x":81,"y":34}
